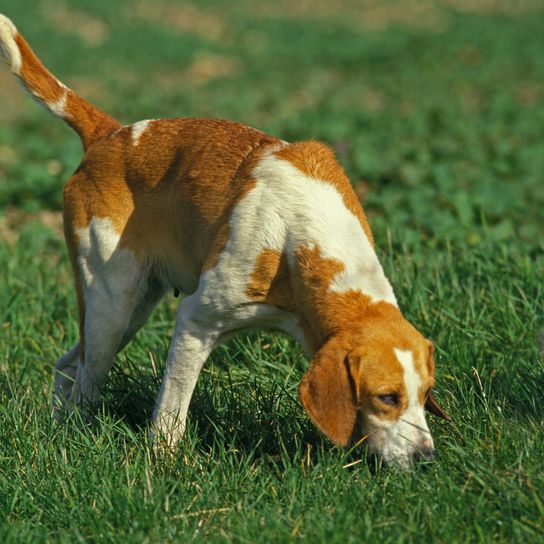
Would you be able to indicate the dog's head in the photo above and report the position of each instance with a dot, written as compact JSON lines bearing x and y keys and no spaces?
{"x":376,"y":383}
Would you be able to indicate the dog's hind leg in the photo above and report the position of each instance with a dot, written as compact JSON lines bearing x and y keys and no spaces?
{"x":150,"y":296}
{"x":107,"y":320}
{"x":65,"y":375}
{"x":109,"y":326}
{"x":66,"y":367}
{"x":115,"y":304}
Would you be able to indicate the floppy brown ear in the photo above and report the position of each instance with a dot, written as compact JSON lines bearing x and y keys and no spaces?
{"x":430,"y":404}
{"x":434,"y":408}
{"x":328,"y":393}
{"x":430,"y":357}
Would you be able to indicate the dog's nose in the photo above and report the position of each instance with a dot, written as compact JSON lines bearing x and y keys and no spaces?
{"x":423,"y":455}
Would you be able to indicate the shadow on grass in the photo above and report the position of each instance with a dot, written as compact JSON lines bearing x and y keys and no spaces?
{"x":522,"y":391}
{"x":239,"y":414}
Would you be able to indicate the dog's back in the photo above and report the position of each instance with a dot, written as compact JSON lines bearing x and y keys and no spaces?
{"x":167,"y":187}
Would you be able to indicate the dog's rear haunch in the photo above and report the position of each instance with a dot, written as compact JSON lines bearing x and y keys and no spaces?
{"x":257,"y":232}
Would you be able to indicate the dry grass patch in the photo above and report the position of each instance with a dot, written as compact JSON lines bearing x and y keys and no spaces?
{"x":530,"y":94}
{"x":12,"y":97}
{"x":370,"y":15}
{"x":90,"y":29}
{"x":373,"y":100}
{"x":207,"y":66}
{"x":187,"y":18}
{"x":500,"y":6}
{"x":379,"y":15}
{"x":13,"y":220}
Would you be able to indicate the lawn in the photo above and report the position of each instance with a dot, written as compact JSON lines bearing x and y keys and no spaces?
{"x":436,"y":110}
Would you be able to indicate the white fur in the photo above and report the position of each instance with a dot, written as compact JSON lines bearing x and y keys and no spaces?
{"x":303,"y":211}
{"x":285,"y":211}
{"x":192,"y":343}
{"x":397,"y":441}
{"x":111,"y":278}
{"x":102,"y":261}
{"x":9,"y":47}
{"x":138,"y":129}
{"x":59,"y":106}
{"x":204,"y":319}
{"x":412,"y":379}
{"x":65,"y":374}
{"x":412,"y":425}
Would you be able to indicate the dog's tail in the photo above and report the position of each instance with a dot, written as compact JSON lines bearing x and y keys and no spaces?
{"x":87,"y":120}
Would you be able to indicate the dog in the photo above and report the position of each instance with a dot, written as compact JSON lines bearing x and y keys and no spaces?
{"x":257,"y":233}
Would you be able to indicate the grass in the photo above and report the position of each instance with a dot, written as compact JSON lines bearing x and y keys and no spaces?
{"x":438,"y":118}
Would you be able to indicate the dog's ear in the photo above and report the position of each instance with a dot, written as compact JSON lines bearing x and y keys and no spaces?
{"x":434,"y":408}
{"x":328,"y":393}
{"x":430,"y":404}
{"x":430,"y":357}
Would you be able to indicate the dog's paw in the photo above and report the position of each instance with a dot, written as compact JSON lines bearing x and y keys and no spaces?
{"x":163,"y":451}
{"x":61,"y":406}
{"x":165,"y":437}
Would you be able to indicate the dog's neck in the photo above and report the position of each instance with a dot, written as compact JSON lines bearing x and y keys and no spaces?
{"x":323,"y":310}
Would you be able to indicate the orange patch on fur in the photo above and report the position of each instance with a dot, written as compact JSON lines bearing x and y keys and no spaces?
{"x":270,"y":281}
{"x":317,"y":160}
{"x":325,"y":310}
{"x":217,"y":246}
{"x":171,"y":196}
{"x":304,"y":290}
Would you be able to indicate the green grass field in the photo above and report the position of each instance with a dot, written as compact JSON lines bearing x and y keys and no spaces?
{"x":436,"y":110}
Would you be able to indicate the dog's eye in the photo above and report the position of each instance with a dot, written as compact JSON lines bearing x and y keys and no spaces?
{"x":390,"y":399}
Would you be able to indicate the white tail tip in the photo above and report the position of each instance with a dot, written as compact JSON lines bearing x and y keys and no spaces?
{"x":11,"y":52}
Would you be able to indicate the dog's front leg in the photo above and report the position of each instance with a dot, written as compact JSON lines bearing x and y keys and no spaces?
{"x":192,"y":343}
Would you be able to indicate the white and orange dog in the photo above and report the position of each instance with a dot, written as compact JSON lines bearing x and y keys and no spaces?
{"x":256,"y":232}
